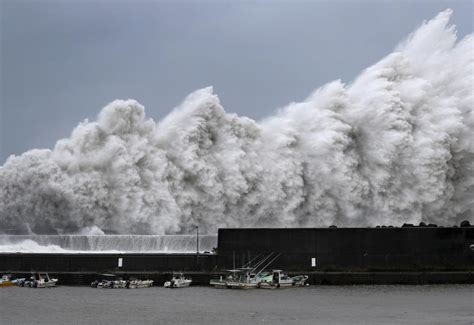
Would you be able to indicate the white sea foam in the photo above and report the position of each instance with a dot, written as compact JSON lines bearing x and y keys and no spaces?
{"x":394,"y":146}
{"x":30,"y":246}
{"x":106,"y":243}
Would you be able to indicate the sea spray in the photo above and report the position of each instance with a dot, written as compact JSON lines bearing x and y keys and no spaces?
{"x":394,"y":146}
{"x":108,"y":243}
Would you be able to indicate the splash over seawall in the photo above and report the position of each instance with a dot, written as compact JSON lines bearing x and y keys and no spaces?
{"x":106,"y":243}
{"x":393,"y":146}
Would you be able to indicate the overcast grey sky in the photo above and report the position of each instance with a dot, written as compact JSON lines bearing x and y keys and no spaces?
{"x":61,"y":61}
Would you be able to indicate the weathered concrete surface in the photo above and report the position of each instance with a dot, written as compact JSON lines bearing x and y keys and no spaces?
{"x":352,"y":249}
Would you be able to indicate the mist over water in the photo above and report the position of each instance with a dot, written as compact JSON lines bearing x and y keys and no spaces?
{"x":393,"y":146}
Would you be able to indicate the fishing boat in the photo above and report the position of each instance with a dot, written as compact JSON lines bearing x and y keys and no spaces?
{"x":234,"y":279}
{"x":109,"y":281}
{"x":248,"y":276}
{"x":300,"y":280}
{"x":242,"y":279}
{"x":219,"y":283}
{"x":279,"y":279}
{"x":134,"y":283}
{"x":6,"y":281}
{"x":40,"y":280}
{"x":179,"y":280}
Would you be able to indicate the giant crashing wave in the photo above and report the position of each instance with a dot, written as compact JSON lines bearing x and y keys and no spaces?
{"x":393,"y":146}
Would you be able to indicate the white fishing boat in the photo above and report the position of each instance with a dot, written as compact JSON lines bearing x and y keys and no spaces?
{"x":234,"y":279}
{"x":247,"y":277}
{"x":100,"y":284}
{"x":300,"y":280}
{"x":179,"y":280}
{"x":137,"y":284}
{"x":40,"y":280}
{"x":109,"y":281}
{"x":279,"y":279}
{"x":119,"y":284}
{"x":219,"y":283}
{"x":242,"y":279}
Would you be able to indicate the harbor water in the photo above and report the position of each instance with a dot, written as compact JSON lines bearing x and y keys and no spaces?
{"x":427,"y":304}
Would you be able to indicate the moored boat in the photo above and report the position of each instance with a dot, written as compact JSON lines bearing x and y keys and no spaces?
{"x":109,"y":281}
{"x":253,"y":275}
{"x":134,"y":283}
{"x":218,"y":283}
{"x":39,"y":280}
{"x":6,"y":281}
{"x":279,"y":279}
{"x":179,"y":280}
{"x":248,"y":276}
{"x":300,"y":280}
{"x":242,"y":279}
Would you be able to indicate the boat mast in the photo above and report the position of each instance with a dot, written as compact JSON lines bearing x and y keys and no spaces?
{"x":262,"y":261}
{"x":269,"y":263}
{"x":248,"y":264}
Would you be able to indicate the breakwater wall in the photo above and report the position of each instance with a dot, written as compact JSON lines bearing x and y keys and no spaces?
{"x":410,"y":249}
{"x":410,"y":255}
{"x":103,"y":263}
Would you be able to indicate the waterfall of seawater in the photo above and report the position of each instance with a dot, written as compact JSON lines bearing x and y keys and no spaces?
{"x":105,"y":243}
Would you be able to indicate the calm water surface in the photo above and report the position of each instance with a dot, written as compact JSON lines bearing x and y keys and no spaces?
{"x":437,"y":304}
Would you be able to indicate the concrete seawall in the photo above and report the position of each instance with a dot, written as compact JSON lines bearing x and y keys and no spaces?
{"x":408,"y":249}
{"x":417,"y":255}
{"x":103,"y":263}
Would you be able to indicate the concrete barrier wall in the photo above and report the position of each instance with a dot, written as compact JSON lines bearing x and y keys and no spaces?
{"x":342,"y":249}
{"x":351,"y":249}
{"x":105,"y":262}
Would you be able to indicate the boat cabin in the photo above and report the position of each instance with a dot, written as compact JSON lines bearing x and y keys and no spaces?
{"x":280,"y":276}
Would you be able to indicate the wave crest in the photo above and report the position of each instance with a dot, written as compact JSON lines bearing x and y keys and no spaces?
{"x":394,"y":146}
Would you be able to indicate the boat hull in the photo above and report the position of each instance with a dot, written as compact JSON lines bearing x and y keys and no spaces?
{"x":140,"y":284}
{"x":218,"y":284}
{"x":6,"y":284}
{"x":272,"y":285}
{"x":49,"y":284}
{"x":300,"y":280}
{"x":181,"y":284}
{"x":240,"y":285}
